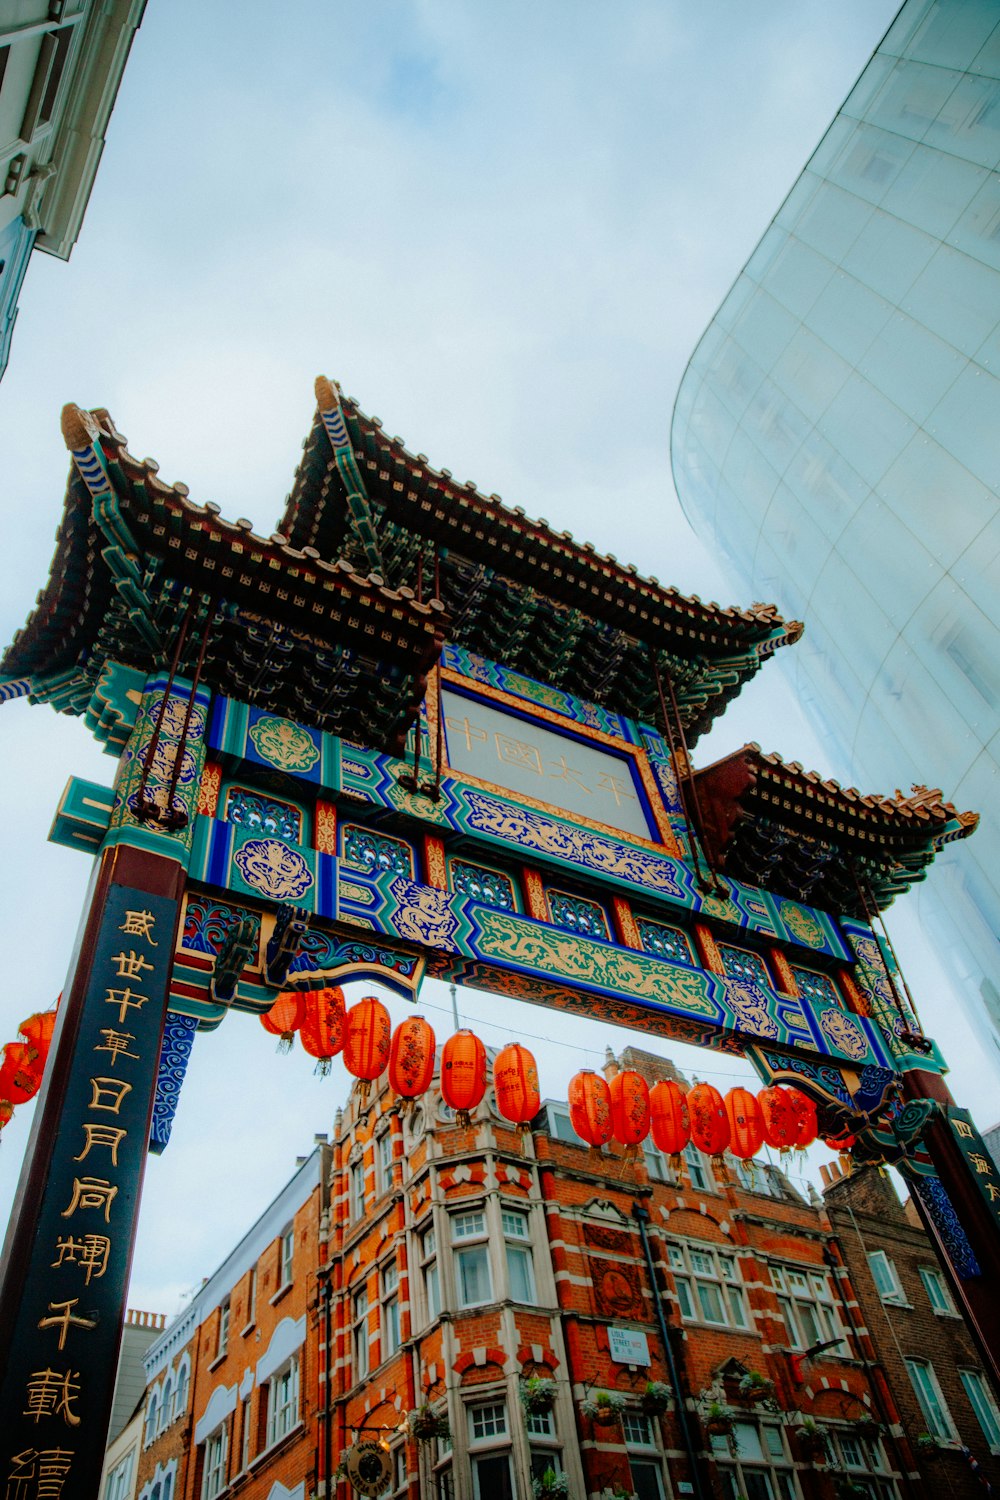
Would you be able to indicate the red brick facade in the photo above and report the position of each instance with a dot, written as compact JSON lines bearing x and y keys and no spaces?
{"x":454,"y":1263}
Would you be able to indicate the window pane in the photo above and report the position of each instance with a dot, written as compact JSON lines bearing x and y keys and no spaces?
{"x":773,"y":1443}
{"x":519,"y":1271}
{"x":541,"y":1424}
{"x":488,"y":1421}
{"x":711,"y":1302}
{"x":636,"y":1425}
{"x":982,"y":1404}
{"x":467,"y":1226}
{"x":515,"y":1225}
{"x":684,"y":1297}
{"x":432,"y":1290}
{"x":646,"y":1481}
{"x":473,"y":1276}
{"x":927,"y":1393}
{"x":491,"y":1475}
{"x":747,"y":1440}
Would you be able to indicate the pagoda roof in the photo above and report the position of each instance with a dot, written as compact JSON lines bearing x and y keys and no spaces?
{"x":515,"y":590}
{"x":306,"y":636}
{"x":771,"y":823}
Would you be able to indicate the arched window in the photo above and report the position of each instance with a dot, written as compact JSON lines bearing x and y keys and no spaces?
{"x":166,"y":1407}
{"x":168,"y":1487}
{"x":151,"y":1409}
{"x":183,"y":1381}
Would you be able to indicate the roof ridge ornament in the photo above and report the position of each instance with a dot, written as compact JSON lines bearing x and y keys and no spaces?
{"x":359,"y":504}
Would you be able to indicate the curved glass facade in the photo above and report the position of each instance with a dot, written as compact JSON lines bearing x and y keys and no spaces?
{"x":836,"y":436}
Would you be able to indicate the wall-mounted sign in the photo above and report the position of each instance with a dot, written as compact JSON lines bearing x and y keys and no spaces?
{"x":368,"y":1467}
{"x":557,"y":769}
{"x":627,"y":1346}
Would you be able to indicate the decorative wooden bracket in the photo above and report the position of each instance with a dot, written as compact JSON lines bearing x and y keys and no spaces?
{"x":238,"y":948}
{"x":289,"y":927}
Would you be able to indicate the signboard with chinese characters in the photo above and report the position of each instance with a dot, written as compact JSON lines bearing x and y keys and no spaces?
{"x":69,"y":1321}
{"x":559,"y":770}
{"x":627,"y":1346}
{"x":983,"y":1169}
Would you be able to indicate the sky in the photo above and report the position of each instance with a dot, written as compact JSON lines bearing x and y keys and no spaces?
{"x":503,"y":228}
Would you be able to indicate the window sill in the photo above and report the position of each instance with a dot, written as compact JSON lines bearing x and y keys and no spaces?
{"x":276,"y":1447}
{"x":281,"y":1292}
{"x":217,"y":1361}
{"x":896,"y":1302}
{"x":248,"y":1328}
{"x":742,"y":1329}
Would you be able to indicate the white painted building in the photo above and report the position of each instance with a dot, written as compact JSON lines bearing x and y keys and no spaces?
{"x":61,"y":62}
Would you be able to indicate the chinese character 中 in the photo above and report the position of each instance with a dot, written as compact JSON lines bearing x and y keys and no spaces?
{"x":520,"y":753}
{"x":139,"y":924}
{"x":108,"y":1093}
{"x":469,"y":730}
{"x":51,"y":1393}
{"x":63,"y":1318}
{"x":564,"y":772}
{"x":90,"y":1252}
{"x":101,"y":1135}
{"x":130,"y":965}
{"x":116,"y":1042}
{"x":125,"y":1000}
{"x":38,"y":1474}
{"x":91,"y":1192}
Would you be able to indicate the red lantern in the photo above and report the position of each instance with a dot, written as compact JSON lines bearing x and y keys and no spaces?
{"x":709,"y":1125}
{"x":411,"y":1058}
{"x":669,"y":1120}
{"x":629,"y":1109}
{"x":20,"y":1075}
{"x":590,"y":1108}
{"x":37,"y":1030}
{"x":322,"y":1030}
{"x":515,"y":1082}
{"x":779,"y":1117}
{"x":284,"y":1018}
{"x":463,"y":1074}
{"x":367,"y":1040}
{"x":746,"y":1127}
{"x":808,"y":1125}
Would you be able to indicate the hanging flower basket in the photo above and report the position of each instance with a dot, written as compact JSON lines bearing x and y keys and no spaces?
{"x":655,"y":1398}
{"x":427,"y":1424}
{"x":550,"y":1486}
{"x":537,"y":1394}
{"x":753,"y":1386}
{"x":718,"y":1420}
{"x":603,"y":1407}
{"x":868,"y":1429}
{"x":928,"y":1448}
{"x":812,"y":1439}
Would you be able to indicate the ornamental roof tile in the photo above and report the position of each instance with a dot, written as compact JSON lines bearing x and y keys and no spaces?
{"x":515,"y":589}
{"x":290,"y":629}
{"x":772,"y":823}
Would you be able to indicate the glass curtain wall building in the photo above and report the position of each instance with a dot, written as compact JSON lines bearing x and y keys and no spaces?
{"x":836,"y":437}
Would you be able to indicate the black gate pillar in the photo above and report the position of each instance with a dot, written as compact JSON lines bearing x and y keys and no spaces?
{"x":68,"y":1250}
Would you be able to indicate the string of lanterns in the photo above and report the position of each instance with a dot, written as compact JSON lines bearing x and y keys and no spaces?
{"x":625,"y":1109}
{"x":24,"y":1062}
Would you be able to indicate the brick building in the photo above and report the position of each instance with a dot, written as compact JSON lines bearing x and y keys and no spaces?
{"x":446,"y":1265}
{"x":231,"y":1382}
{"x":946,"y":1405}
